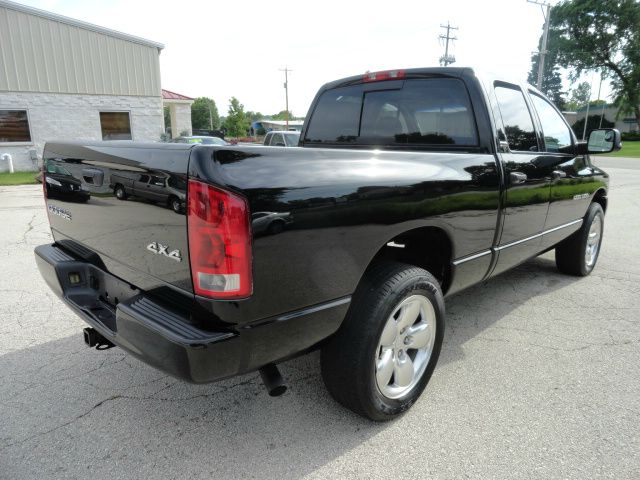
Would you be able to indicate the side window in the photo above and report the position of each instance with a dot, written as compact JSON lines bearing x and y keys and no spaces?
{"x":277,"y":140}
{"x":115,"y":125}
{"x":267,"y":139}
{"x":144,"y":178}
{"x":516,"y":118}
{"x":157,"y":181}
{"x":556,"y":132}
{"x":14,"y":126}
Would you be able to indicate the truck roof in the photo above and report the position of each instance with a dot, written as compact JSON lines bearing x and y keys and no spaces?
{"x":464,"y":71}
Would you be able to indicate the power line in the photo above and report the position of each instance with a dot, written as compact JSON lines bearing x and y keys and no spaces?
{"x":286,"y":71}
{"x":447,"y":59}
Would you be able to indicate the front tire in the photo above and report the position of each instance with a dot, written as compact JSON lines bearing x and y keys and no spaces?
{"x":578,"y":254}
{"x":382,"y":358}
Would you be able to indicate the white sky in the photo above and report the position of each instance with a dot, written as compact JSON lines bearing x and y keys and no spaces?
{"x":222,"y":49}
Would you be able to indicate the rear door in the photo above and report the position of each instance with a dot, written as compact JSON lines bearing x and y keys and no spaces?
{"x":527,"y":185}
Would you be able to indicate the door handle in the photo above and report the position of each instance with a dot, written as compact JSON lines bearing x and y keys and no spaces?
{"x":517,"y":177}
{"x":558,"y":174}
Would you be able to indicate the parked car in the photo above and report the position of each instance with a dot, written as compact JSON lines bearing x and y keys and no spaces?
{"x":410,"y":185}
{"x":270,"y":222}
{"x":60,"y":183}
{"x":201,"y":139}
{"x":167,"y":189}
{"x":282,"y":139}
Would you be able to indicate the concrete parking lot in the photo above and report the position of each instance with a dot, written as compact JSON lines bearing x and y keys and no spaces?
{"x":539,"y":378}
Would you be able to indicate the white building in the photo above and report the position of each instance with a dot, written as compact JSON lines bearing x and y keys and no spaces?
{"x":63,"y":79}
{"x":607,"y":111}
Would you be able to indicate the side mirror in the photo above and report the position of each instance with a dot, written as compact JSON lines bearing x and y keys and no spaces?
{"x":604,"y":140}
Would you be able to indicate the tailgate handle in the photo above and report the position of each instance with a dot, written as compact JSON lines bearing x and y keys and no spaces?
{"x":517,"y":177}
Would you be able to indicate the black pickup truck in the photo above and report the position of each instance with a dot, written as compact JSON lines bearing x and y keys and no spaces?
{"x":407,"y":186}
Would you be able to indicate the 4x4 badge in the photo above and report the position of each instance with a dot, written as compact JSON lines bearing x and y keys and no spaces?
{"x":160,"y":249}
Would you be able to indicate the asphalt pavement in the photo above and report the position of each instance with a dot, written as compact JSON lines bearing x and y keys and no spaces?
{"x":539,"y":378}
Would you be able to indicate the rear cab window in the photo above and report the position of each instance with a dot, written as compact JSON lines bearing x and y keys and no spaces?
{"x":413,"y":112}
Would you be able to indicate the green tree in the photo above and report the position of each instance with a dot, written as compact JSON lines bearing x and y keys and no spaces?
{"x":253,"y":116}
{"x":579,"y":96}
{"x":282,"y":115}
{"x":551,"y":77}
{"x":204,"y":114}
{"x":592,"y":124}
{"x":236,"y":123}
{"x":604,"y":35}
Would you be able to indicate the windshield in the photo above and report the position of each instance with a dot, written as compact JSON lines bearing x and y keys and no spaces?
{"x":213,"y":141}
{"x":57,"y":169}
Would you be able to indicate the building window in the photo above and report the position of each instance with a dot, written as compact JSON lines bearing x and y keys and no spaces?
{"x":115,"y":125}
{"x":14,"y":126}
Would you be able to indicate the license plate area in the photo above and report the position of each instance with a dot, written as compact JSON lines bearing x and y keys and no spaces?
{"x":94,"y":291}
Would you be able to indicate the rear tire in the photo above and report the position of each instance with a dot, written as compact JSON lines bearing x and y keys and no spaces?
{"x":578,"y":254}
{"x":175,"y":204}
{"x":119,"y":192}
{"x":382,"y":358}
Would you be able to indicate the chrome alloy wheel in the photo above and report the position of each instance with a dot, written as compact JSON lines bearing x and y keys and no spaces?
{"x":593,"y":241}
{"x":405,"y":346}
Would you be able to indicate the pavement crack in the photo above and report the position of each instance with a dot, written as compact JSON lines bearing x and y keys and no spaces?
{"x":58,"y":427}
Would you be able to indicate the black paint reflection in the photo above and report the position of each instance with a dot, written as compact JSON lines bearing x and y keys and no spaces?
{"x":165,"y":189}
{"x":61,"y":184}
{"x":270,"y":223}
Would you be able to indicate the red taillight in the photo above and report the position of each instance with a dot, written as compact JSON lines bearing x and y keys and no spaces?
{"x":219,"y":242}
{"x":384,"y":75}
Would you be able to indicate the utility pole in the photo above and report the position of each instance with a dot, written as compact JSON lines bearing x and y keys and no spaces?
{"x":543,"y":51}
{"x":286,"y":71}
{"x":586,"y":117}
{"x":605,"y":103}
{"x":446,"y":59}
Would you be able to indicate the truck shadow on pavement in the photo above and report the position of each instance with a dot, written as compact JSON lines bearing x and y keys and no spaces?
{"x":66,"y":406}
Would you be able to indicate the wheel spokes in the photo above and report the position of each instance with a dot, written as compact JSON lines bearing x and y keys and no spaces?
{"x":408,"y":315}
{"x":389,"y":333}
{"x":419,"y":336}
{"x":385,"y":367}
{"x":403,"y":371}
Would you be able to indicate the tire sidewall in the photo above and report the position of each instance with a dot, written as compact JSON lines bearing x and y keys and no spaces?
{"x":413,"y":286}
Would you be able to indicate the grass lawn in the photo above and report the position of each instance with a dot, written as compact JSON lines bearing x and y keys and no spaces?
{"x":629,"y":149}
{"x":17,"y":178}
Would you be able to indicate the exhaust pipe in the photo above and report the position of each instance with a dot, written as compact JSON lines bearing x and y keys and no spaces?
{"x":272,"y":380}
{"x":93,"y":338}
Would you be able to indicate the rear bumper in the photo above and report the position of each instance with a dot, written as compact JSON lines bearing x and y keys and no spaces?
{"x":165,"y":338}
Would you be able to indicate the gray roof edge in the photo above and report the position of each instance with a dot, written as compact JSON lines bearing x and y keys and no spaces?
{"x":78,"y":23}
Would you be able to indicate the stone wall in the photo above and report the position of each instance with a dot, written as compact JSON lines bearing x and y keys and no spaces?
{"x":75,"y":117}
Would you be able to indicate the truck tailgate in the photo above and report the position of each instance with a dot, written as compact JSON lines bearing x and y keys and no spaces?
{"x":122,"y":207}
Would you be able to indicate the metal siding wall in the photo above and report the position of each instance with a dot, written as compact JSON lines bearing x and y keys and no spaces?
{"x":42,"y":55}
